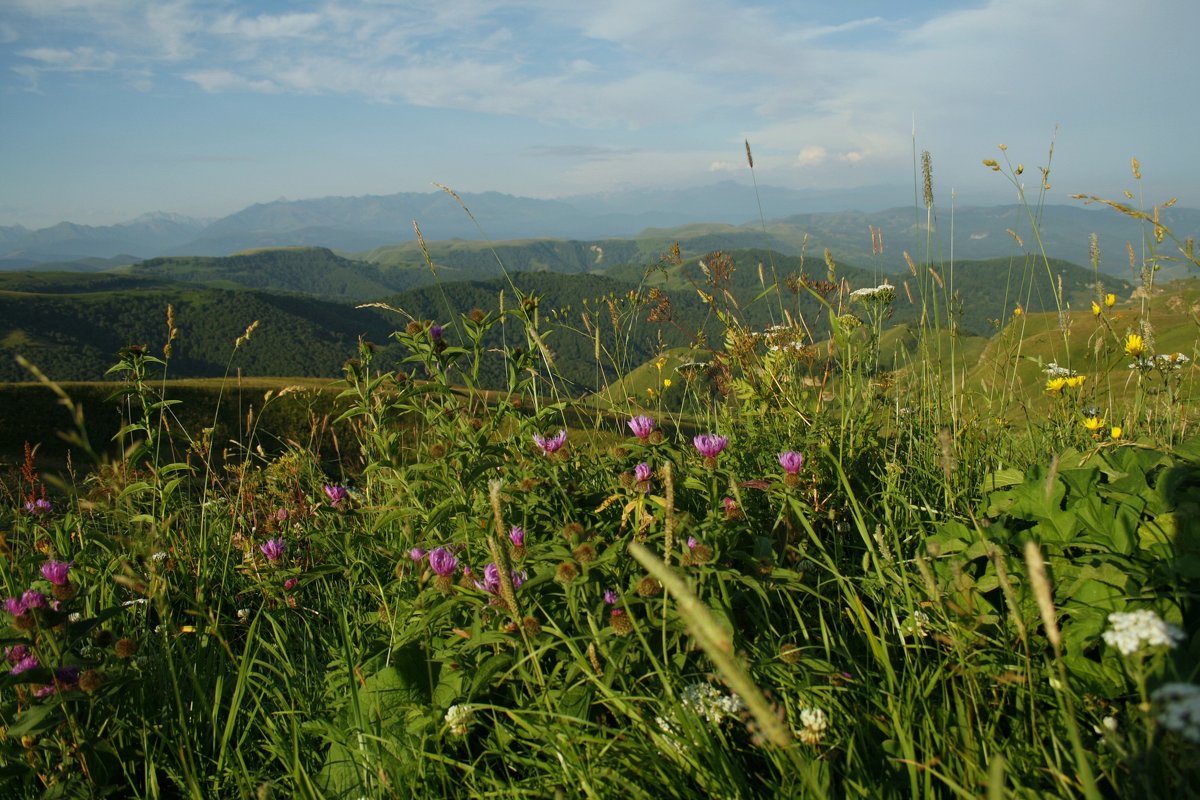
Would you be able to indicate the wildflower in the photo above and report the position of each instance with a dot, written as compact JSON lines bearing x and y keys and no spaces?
{"x":1018,"y":311}
{"x":649,"y":586}
{"x":1110,"y":300}
{"x":32,"y":599}
{"x":1056,"y":385}
{"x":621,"y":623}
{"x":517,"y":536}
{"x":642,"y":474}
{"x":642,"y":426}
{"x":916,"y":626}
{"x":666,"y":383}
{"x":459,"y":719}
{"x":435,"y":331}
{"x":731,"y":508}
{"x":705,"y":701}
{"x":1075,"y":381}
{"x":882,"y":294}
{"x":585,"y":553}
{"x":610,"y":597}
{"x":1135,"y":346}
{"x":791,"y":461}
{"x":710,"y":445}
{"x":91,"y":680}
{"x":65,"y":679}
{"x":273,"y":549}
{"x":290,"y":584}
{"x":442,"y":561}
{"x":1095,"y":309}
{"x":1171,"y":360}
{"x":1130,"y":631}
{"x":56,"y":572}
{"x":1094,"y":425}
{"x":39,"y":507}
{"x":125,"y":648}
{"x":417,"y":554}
{"x":1179,"y":709}
{"x":281,"y":515}
{"x":566,"y":572}
{"x":813,"y":723}
{"x":1053,"y":370}
{"x":1115,"y":432}
{"x":491,"y":579}
{"x":24,"y":664}
{"x":691,"y":543}
{"x":336,"y":495}
{"x":551,"y":444}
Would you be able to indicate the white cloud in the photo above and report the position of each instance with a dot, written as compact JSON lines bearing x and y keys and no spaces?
{"x":812,"y":155}
{"x":220,"y":80}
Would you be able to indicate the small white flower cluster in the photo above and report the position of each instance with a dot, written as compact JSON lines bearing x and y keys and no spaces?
{"x":459,"y":719}
{"x":916,"y":626}
{"x":883,"y":294}
{"x":1130,"y":631}
{"x":1053,"y":370}
{"x":813,"y":723}
{"x":705,"y":701}
{"x":1162,"y":361}
{"x":1171,"y":360}
{"x":1179,"y":709}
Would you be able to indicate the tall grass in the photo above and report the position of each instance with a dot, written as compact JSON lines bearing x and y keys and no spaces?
{"x":859,"y":581}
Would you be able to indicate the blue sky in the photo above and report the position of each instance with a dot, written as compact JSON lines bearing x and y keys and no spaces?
{"x":113,"y":108}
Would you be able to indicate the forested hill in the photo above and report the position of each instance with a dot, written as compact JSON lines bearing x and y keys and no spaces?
{"x":73,"y":324}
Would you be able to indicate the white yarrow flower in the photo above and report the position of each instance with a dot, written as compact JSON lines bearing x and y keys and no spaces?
{"x":1131,"y":631}
{"x":884,"y":293}
{"x":1179,"y":709}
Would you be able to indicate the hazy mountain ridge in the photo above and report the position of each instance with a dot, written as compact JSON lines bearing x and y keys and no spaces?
{"x":726,"y":215}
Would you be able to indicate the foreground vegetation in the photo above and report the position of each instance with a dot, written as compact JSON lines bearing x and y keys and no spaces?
{"x":883,"y":562}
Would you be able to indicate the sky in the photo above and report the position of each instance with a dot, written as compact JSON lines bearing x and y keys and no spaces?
{"x":110,"y":109}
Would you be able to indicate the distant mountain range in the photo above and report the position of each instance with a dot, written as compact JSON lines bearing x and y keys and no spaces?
{"x":724,"y":215}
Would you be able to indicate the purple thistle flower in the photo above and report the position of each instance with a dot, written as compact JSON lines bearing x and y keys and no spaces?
{"x":273,"y":549}
{"x":710,"y":445}
{"x":16,"y":653}
{"x":24,"y":664}
{"x":551,"y":444}
{"x":642,"y":426}
{"x":336,"y":494}
{"x":290,"y":584}
{"x":517,"y":536}
{"x":642,"y":473}
{"x":417,"y":553}
{"x":435,"y":331}
{"x":281,"y":515}
{"x":14,"y":606}
{"x":691,"y":543}
{"x":33,"y":599}
{"x":56,"y":572}
{"x":65,"y":678}
{"x":38,"y":507}
{"x":610,"y":597}
{"x":791,"y":461}
{"x":491,"y":579}
{"x":442,"y":561}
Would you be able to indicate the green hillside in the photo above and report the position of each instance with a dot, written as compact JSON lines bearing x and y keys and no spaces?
{"x":307,"y":270}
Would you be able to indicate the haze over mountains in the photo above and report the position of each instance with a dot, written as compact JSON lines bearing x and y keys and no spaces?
{"x":723,"y":215}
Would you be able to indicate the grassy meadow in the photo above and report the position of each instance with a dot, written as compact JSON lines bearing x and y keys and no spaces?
{"x":840,"y":542}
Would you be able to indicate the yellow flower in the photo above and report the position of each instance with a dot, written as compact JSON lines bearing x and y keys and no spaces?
{"x":666,"y":383}
{"x":1110,"y":300}
{"x":1115,"y":431}
{"x":1135,"y":346}
{"x":1075,"y":381}
{"x":1094,"y":424}
{"x":1018,"y":311}
{"x":1095,"y":309}
{"x":1056,"y":385}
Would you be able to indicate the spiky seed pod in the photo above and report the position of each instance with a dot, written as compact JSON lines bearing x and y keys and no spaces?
{"x":125,"y":648}
{"x":649,"y":586}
